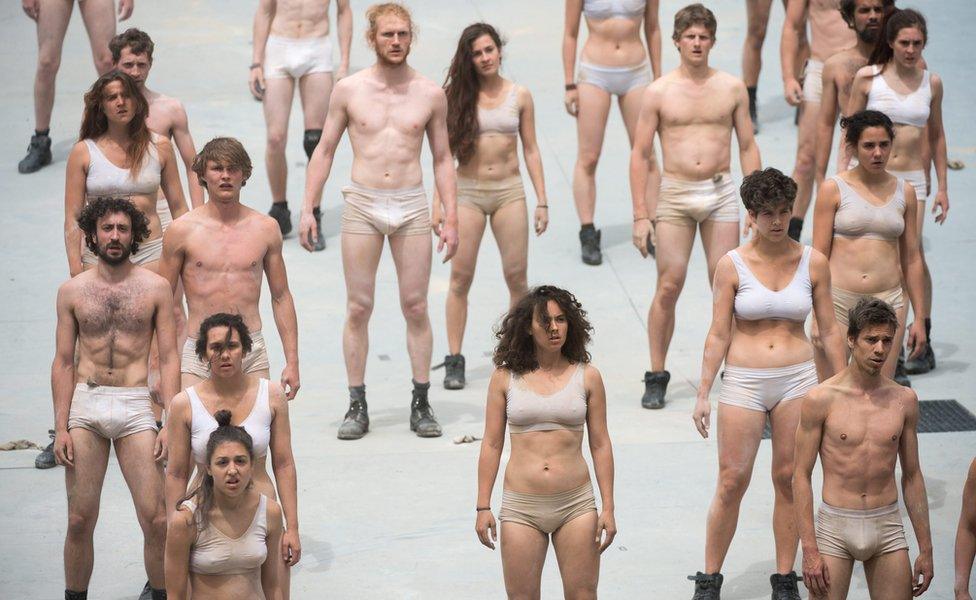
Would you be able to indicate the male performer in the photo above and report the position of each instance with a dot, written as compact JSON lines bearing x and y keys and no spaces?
{"x":861,"y":423}
{"x":387,"y":108}
{"x":292,"y":45}
{"x":694,"y":109}
{"x":107,"y":317}
{"x":52,"y":24}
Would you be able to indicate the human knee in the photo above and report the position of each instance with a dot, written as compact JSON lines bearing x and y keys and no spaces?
{"x":732,"y":485}
{"x":103,"y":61}
{"x":414,"y":308}
{"x":358,"y":310}
{"x":587,"y":160}
{"x":517,"y":279}
{"x":461,"y":282}
{"x":524,"y":593}
{"x":81,"y":524}
{"x":48,"y":64}
{"x":668,"y":290}
{"x":585,"y":591}
{"x":311,"y":140}
{"x":756,"y":34}
{"x":277,"y":138}
{"x":783,"y":482}
{"x":803,"y":167}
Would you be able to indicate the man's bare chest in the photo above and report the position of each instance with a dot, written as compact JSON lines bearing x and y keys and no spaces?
{"x":103,"y":310}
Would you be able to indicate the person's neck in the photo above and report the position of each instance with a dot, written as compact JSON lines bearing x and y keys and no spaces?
{"x":767,"y":248}
{"x":114,"y":273}
{"x":548,"y":359}
{"x":491,"y":83}
{"x":225,"y":211}
{"x":695,"y":72}
{"x":229,"y":503}
{"x":862,"y":379}
{"x":902,"y":71}
{"x":118,"y":133}
{"x":391,"y":74}
{"x":230,"y":387}
{"x":870,"y":177}
{"x":864,"y":48}
{"x":147,"y":93}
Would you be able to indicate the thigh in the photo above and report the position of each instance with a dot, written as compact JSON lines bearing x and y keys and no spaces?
{"x":806,"y":134}
{"x":315,"y":89}
{"x":757,"y":12}
{"x":674,"y":243}
{"x":99,"y":19}
{"x":141,"y":472}
{"x":784,"y":419}
{"x":52,"y":24}
{"x":630,"y":109}
{"x":412,"y":256}
{"x":84,"y":480}
{"x":360,"y":258}
{"x":523,"y":551}
{"x":840,"y":570}
{"x":578,"y":554}
{"x":591,"y":121}
{"x":739,"y":433}
{"x":278,"y":96}
{"x":471,"y":228}
{"x":510,"y":226}
{"x":889,"y":576}
{"x":718,"y":237}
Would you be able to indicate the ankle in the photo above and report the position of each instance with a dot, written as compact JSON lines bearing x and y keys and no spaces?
{"x":44,"y":133}
{"x":71,"y":595}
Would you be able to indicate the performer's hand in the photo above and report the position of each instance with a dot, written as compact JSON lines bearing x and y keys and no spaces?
{"x":291,"y":547}
{"x":256,"y":83}
{"x":815,"y":574}
{"x":702,"y":416}
{"x":571,"y":101}
{"x":916,"y":338}
{"x":940,"y":202}
{"x":541,"y":218}
{"x":486,"y":529}
{"x":289,"y":381}
{"x":923,"y":573}
{"x":308,"y":231}
{"x":448,"y":240}
{"x":125,"y":9}
{"x":642,"y":229}
{"x":32,"y":8}
{"x":793,"y":92}
{"x":161,"y":449}
{"x":64,"y":451}
{"x":607,"y":526}
{"x":437,"y":219}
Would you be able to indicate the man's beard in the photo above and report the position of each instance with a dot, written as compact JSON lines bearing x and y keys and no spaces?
{"x":380,"y":57}
{"x":870,"y":35}
{"x":114,"y":260}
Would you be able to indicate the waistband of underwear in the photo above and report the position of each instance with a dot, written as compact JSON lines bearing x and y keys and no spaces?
{"x":407,"y":191}
{"x":645,"y":64}
{"x":480,"y":184}
{"x":858,"y":513}
{"x":703,"y":184}
{"x":769,"y":373}
{"x":888,"y":293}
{"x":813,"y":63}
{"x":108,"y":390}
{"x":913,"y":175}
{"x":299,"y":41}
{"x":255,"y":336}
{"x":564,"y":495}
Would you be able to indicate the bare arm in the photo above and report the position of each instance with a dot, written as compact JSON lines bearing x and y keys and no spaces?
{"x":179,"y":465}
{"x":809,"y":434}
{"x":286,"y":477}
{"x":74,"y":200}
{"x":169,"y":361}
{"x":826,"y":120}
{"x":823,"y":311}
{"x":270,"y":584}
{"x":263,"y":17}
{"x":184,"y":145}
{"x":171,"y":261}
{"x":533,"y":158}
{"x":170,"y":178}
{"x":180,"y":535}
{"x":320,"y":164}
{"x":643,"y":165}
{"x":492,"y":444}
{"x":283,"y":308}
{"x":602,"y":452}
{"x":748,"y":148}
{"x":794,"y":28}
{"x":913,"y":492}
{"x":966,"y":537}
{"x":937,"y":146}
{"x":828,"y":198}
{"x":718,"y":339}
{"x":445,"y":177}
{"x":913,"y":272}
{"x":574,"y":14}
{"x":344,"y":21}
{"x":63,"y":372}
{"x":859,"y":90}
{"x":652,"y":31}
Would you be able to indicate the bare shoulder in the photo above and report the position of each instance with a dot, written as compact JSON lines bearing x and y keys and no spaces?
{"x":729,"y":81}
{"x":421,"y":83}
{"x":274,"y":511}
{"x":500,"y":377}
{"x":153,"y":281}
{"x":935,"y":81}
{"x":818,"y":260}
{"x":820,"y":397}
{"x":863,"y":73}
{"x":179,"y":405}
{"x":591,"y":375}
{"x":68,"y":289}
{"x":276,"y":394}
{"x":79,"y":152}
{"x":522,"y":94}
{"x":182,"y":521}
{"x":906,"y":395}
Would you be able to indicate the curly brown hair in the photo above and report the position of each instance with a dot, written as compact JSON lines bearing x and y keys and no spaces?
{"x":515,"y":350}
{"x":101,"y":206}
{"x":767,"y":189}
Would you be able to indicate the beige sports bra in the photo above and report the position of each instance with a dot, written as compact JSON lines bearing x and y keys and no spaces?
{"x":529,"y":411}
{"x":503,"y":119}
{"x":858,"y":218}
{"x":214,"y":553}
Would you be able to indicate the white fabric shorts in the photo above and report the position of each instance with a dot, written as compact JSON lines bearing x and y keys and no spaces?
{"x":615,"y":80}
{"x":388,"y":212}
{"x":691,"y":202}
{"x":763,"y":389}
{"x":111,"y":412}
{"x":917,"y":179}
{"x":813,"y":81}
{"x":297,"y":57}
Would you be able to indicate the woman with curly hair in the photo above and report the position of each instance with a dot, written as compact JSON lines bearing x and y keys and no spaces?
{"x":763,"y":292}
{"x":118,"y":156}
{"x":486,"y":116}
{"x":545,"y":388}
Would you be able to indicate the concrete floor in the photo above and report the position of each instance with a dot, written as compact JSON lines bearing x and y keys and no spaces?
{"x":391,"y":516}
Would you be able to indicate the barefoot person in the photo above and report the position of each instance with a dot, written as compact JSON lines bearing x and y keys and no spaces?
{"x":898,"y":85}
{"x":694,"y":109}
{"x":221,"y":251}
{"x":613,"y":62}
{"x":966,"y":537}
{"x":107,"y":319}
{"x":861,"y":423}
{"x":292,"y":47}
{"x":388,"y":109}
{"x":255,"y":404}
{"x":222,"y":540}
{"x":486,"y":116}
{"x":864,"y":223}
{"x":763,"y":292}
{"x":52,"y":25}
{"x":546,"y":390}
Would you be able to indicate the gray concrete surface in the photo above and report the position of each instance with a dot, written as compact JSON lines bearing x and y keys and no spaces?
{"x":391,"y":516}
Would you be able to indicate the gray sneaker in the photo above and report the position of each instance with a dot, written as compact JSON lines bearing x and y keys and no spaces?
{"x":45,"y":460}
{"x":38,"y":154}
{"x":590,"y":246}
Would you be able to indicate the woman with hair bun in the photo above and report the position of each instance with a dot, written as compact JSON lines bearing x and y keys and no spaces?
{"x":223,"y":533}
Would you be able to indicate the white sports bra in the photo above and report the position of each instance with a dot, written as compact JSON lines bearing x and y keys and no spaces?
{"x":857,"y":218}
{"x":215,"y":553}
{"x":912,"y":109}
{"x":503,"y":119}
{"x":257,"y":424}
{"x":754,"y":301}
{"x":609,"y":9}
{"x":106,"y":179}
{"x":529,"y":411}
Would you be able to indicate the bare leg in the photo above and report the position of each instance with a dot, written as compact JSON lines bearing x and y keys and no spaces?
{"x":784,"y":419}
{"x":135,"y":454}
{"x":591,"y":123}
{"x":757,"y":14}
{"x":51,"y":28}
{"x":277,"y":108}
{"x":718,"y":237}
{"x":892,"y":362}
{"x":510,"y":226}
{"x":889,"y":576}
{"x":99,"y":19}
{"x":840,"y":570}
{"x":84,"y":484}
{"x":360,"y":257}
{"x":523,"y":555}
{"x":805,"y":148}
{"x":920,"y":220}
{"x":674,"y":242}
{"x":578,"y":556}
{"x":471,"y":227}
{"x":739,"y":433}
{"x":412,"y":255}
{"x":315,"y":90}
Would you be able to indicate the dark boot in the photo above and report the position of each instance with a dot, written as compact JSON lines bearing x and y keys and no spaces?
{"x":753,"y":113}
{"x":38,"y":154}
{"x":422,"y":419}
{"x":784,"y":586}
{"x":320,"y":242}
{"x":69,"y":595}
{"x":590,"y":244}
{"x":707,"y":587}
{"x":279,"y":212}
{"x":146,"y":593}
{"x":356,"y":422}
{"x":45,"y":460}
{"x":901,"y":378}
{"x":655,"y":387}
{"x":795,"y":229}
{"x":454,"y":372}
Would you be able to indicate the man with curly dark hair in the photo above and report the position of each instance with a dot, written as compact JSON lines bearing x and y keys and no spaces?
{"x":107,"y":318}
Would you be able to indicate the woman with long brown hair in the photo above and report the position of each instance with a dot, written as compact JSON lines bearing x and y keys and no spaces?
{"x":546,"y":390}
{"x":486,"y":116}
{"x":117,"y":155}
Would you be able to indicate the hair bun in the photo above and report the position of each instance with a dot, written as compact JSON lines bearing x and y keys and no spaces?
{"x":223,"y":418}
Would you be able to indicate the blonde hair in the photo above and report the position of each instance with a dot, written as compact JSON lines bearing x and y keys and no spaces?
{"x":225,"y":150}
{"x":386,"y":9}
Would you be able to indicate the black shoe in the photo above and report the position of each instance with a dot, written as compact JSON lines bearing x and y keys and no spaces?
{"x":356,"y":422}
{"x":454,"y":372}
{"x":45,"y":460}
{"x":146,"y":593}
{"x":590,"y":243}
{"x":320,"y":242}
{"x":655,"y":386}
{"x":795,"y":228}
{"x":901,"y":378}
{"x":784,"y":586}
{"x":422,"y":419}
{"x":279,"y":212}
{"x":923,"y":364}
{"x":38,"y":154}
{"x":707,"y":587}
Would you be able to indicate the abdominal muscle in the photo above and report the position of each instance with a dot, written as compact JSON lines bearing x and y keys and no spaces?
{"x":768,"y":344}
{"x":243,"y":586}
{"x":614,"y":42}
{"x":864,"y":266}
{"x":906,"y":152}
{"x":495,"y":158}
{"x":546,"y":462}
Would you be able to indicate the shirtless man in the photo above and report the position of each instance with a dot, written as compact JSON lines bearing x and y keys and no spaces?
{"x":865,"y":18}
{"x":220,"y":251}
{"x":52,"y":18}
{"x":860,"y":423}
{"x":292,"y":44}
{"x":387,"y":108}
{"x":694,"y":109}
{"x":110,"y":315}
{"x":829,"y":34}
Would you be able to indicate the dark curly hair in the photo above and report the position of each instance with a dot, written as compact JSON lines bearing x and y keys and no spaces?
{"x":849,"y":7}
{"x":855,"y":125}
{"x":108,"y":205}
{"x":767,"y":189}
{"x":231,"y":322}
{"x":516,"y":349}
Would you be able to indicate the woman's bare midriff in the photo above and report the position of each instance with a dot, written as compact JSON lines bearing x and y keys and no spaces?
{"x":246,"y":586}
{"x":906,"y":150}
{"x":768,"y":344}
{"x":864,"y":266}
{"x":614,"y":43}
{"x":495,"y":158}
{"x":546,"y":462}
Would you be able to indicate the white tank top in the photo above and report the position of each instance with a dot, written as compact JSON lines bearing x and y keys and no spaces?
{"x":503,"y":119}
{"x":257,"y":424}
{"x":912,"y":109}
{"x":608,"y":9}
{"x":754,"y":301}
{"x":215,"y":553}
{"x":106,"y":179}
{"x":529,"y":411}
